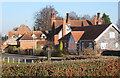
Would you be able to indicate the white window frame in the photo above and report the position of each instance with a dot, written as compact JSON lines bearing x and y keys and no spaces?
{"x":116,"y":45}
{"x":90,"y":45}
{"x":103,"y":45}
{"x":112,"y":34}
{"x":83,"y":45}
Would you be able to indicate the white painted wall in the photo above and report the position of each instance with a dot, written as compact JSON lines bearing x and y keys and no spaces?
{"x":60,"y":34}
{"x":68,"y":29}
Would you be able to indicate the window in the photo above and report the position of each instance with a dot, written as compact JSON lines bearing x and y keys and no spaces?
{"x":43,"y":36}
{"x":65,"y":44}
{"x":33,"y":35}
{"x":19,"y":35}
{"x":14,"y":36}
{"x":112,"y":34}
{"x":103,"y":45}
{"x":116,"y":45}
{"x":90,"y":45}
{"x":82,"y":45}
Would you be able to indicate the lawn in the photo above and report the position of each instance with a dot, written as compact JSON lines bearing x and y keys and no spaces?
{"x":102,"y":66}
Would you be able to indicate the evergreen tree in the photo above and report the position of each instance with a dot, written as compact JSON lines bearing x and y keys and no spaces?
{"x":106,"y":18}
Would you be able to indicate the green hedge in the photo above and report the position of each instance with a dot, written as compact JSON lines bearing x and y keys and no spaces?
{"x":65,"y":68}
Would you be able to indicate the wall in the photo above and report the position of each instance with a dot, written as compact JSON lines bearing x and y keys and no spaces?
{"x":111,"y":42}
{"x":71,"y":44}
{"x":28,"y":44}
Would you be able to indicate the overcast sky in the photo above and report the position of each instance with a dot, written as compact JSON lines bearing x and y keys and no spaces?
{"x":16,"y":13}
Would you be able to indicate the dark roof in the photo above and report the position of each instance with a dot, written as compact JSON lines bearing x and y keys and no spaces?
{"x":91,"y":32}
{"x":57,"y":30}
{"x":76,"y":36}
{"x":66,"y":37}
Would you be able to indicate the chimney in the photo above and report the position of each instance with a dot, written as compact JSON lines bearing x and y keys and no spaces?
{"x":64,"y":27}
{"x":53,"y":18}
{"x":67,"y":17}
{"x":95,"y":20}
{"x":98,"y":16}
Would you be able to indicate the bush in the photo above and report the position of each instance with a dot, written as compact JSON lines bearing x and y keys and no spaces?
{"x":57,"y":53}
{"x":21,"y":51}
{"x":107,"y":68}
{"x":43,"y":53}
{"x":12,"y":50}
{"x":88,"y":51}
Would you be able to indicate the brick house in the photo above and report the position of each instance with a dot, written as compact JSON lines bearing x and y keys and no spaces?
{"x":24,"y":38}
{"x":63,"y":27}
{"x":102,"y":37}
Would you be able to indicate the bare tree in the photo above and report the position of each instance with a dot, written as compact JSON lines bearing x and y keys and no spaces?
{"x":86,"y":17}
{"x":74,"y":16}
{"x":43,"y":17}
{"x":15,"y":28}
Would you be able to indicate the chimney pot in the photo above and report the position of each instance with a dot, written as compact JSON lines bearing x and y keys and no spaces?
{"x":98,"y":15}
{"x":53,"y":16}
{"x":67,"y":17}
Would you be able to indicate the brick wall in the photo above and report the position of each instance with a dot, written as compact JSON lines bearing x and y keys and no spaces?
{"x":28,"y":44}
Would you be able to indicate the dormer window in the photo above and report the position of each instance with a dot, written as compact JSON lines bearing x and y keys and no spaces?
{"x":19,"y":35}
{"x":33,"y":35}
{"x":14,"y":36}
{"x":43,"y":36}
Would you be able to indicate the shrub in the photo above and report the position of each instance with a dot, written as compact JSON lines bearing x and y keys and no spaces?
{"x":61,"y":46}
{"x":57,"y":53}
{"x":37,"y":51}
{"x":107,"y":68}
{"x":88,"y":51}
{"x":21,"y":51}
{"x":43,"y":53}
{"x":12,"y":49}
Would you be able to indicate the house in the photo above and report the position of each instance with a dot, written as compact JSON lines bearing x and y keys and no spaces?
{"x":100,"y":37}
{"x":63,"y":27}
{"x":24,"y":38}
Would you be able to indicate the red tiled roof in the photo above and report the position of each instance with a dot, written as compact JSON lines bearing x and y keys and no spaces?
{"x":75,"y":23}
{"x":4,"y":46}
{"x":37,"y":34}
{"x":77,"y":35}
{"x":23,"y":27}
{"x":27,"y":37}
{"x":58,"y":23}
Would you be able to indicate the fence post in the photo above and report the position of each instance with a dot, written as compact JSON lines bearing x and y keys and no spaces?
{"x":3,"y":58}
{"x":25,"y":61}
{"x":32,"y":61}
{"x":13,"y":60}
{"x":18,"y":60}
{"x":8,"y":60}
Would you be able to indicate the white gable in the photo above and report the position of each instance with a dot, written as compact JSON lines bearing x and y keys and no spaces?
{"x":60,"y":34}
{"x":106,"y":31}
{"x":68,"y":29}
{"x":43,"y":36}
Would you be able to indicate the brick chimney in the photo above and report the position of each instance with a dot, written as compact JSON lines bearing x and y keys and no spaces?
{"x":98,"y":16}
{"x":53,"y":18}
{"x":67,"y":17}
{"x":64,"y":27}
{"x":95,"y":20}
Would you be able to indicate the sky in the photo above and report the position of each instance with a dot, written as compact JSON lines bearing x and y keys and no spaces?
{"x":13,"y":14}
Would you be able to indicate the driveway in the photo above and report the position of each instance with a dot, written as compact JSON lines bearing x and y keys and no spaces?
{"x":21,"y":57}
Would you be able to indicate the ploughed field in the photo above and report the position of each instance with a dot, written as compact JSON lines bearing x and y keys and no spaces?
{"x":91,"y":66}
